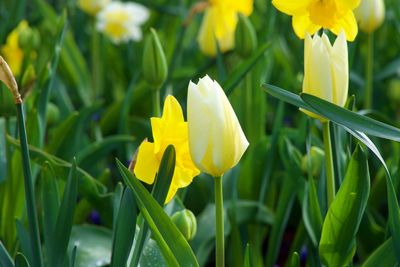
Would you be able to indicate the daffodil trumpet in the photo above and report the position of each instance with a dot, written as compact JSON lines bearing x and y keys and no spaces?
{"x":7,"y":77}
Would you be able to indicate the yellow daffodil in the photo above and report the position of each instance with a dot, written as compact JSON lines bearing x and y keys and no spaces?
{"x":11,"y":51}
{"x":169,"y":129}
{"x":121,"y":21}
{"x":370,"y":14}
{"x":92,"y":6}
{"x":311,"y":15}
{"x":216,"y":139}
{"x":326,"y":69}
{"x":219,"y":24}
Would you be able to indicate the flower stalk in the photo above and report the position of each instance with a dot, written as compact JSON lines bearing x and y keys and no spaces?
{"x":330,"y":173}
{"x":219,"y":222}
{"x":369,"y":72}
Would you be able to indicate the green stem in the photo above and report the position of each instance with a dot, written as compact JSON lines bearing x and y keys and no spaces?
{"x":29,"y":191}
{"x":219,"y":222}
{"x":248,"y":106}
{"x":156,"y":102}
{"x":369,"y":72}
{"x":96,"y":64}
{"x":330,"y":174}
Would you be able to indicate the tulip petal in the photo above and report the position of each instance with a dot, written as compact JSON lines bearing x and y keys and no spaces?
{"x":340,"y":70}
{"x":347,"y":23}
{"x":292,"y":7}
{"x":146,"y":163}
{"x":302,"y":25}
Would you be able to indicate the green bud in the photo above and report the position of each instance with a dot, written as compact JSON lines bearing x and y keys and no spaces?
{"x":52,"y":114}
{"x":245,"y":37}
{"x":28,"y":78}
{"x":314,"y":160}
{"x":155,"y":67}
{"x":186,"y":222}
{"x":394,"y":90}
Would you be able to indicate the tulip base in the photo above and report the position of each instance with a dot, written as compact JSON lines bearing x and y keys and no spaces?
{"x":219,"y":223}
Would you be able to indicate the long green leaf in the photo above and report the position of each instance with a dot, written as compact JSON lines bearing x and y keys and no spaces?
{"x":238,"y":73}
{"x":161,"y":225}
{"x":63,"y":227}
{"x":124,"y":229}
{"x":384,"y":255}
{"x":5,"y":259}
{"x":337,"y":245}
{"x":21,"y":261}
{"x":351,"y":119}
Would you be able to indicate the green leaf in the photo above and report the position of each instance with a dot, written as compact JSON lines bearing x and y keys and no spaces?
{"x":124,"y":231}
{"x":61,"y":133}
{"x":24,"y":240}
{"x":351,"y":119}
{"x":151,"y":255}
{"x":337,"y":245}
{"x":21,"y":261}
{"x":3,"y":156}
{"x":175,"y":248}
{"x":5,"y":259}
{"x":63,"y":226}
{"x":241,"y":70}
{"x":312,"y":213}
{"x":384,"y":255}
{"x":93,"y":244}
{"x":247,"y":256}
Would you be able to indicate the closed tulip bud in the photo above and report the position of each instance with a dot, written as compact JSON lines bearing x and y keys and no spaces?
{"x":314,"y":161}
{"x":370,"y":14}
{"x":326,"y":70}
{"x":155,"y":67}
{"x":186,"y":222}
{"x":245,"y":37}
{"x":216,"y":140}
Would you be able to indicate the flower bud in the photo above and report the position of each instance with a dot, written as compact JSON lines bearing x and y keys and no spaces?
{"x":52,"y":114}
{"x":92,"y":6}
{"x":155,"y":67}
{"x":314,"y":160}
{"x":216,"y":140}
{"x":245,"y":37}
{"x":370,"y":14}
{"x":326,"y":69}
{"x":8,"y":79}
{"x":186,"y":222}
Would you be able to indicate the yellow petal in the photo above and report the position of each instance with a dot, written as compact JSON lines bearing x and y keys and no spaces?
{"x":146,"y":163}
{"x":244,"y":6}
{"x":347,"y":23}
{"x":302,"y":25}
{"x":292,"y":7}
{"x":172,"y":109}
{"x":348,"y":4}
{"x":340,"y":70}
{"x":171,"y":193}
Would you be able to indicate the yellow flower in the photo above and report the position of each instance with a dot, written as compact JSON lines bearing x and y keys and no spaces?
{"x":169,"y":129}
{"x":370,"y":14}
{"x":219,"y":24}
{"x":11,"y":51}
{"x":121,"y":21}
{"x":92,"y":6}
{"x":216,"y":140}
{"x":326,"y":70}
{"x":311,"y":15}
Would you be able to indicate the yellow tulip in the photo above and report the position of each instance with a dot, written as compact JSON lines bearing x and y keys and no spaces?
{"x":170,"y":129}
{"x":12,"y":51}
{"x":92,"y":6}
{"x":311,"y":15}
{"x":326,"y":70}
{"x":216,"y":140}
{"x":370,"y":14}
{"x":219,"y":24}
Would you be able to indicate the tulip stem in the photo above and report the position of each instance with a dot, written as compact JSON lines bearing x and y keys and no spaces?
{"x":156,"y":102}
{"x":219,"y":222}
{"x":29,"y":191}
{"x":369,"y":72}
{"x":330,"y":174}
